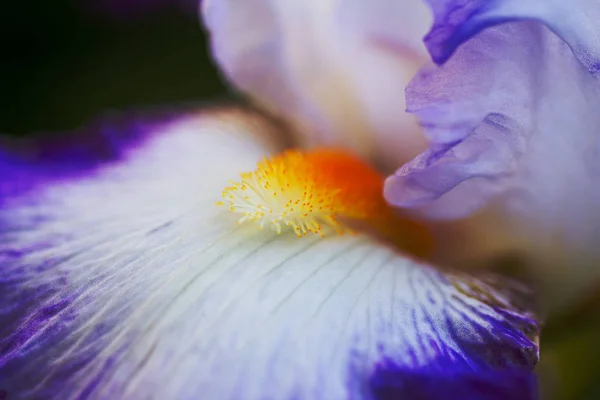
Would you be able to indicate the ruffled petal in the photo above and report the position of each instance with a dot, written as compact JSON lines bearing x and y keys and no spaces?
{"x":511,"y":116}
{"x":336,"y":69}
{"x":122,"y":279}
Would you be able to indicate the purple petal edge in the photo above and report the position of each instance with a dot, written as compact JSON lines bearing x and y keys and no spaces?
{"x":27,"y":162}
{"x":35,"y":313}
{"x":454,"y":24}
{"x":500,"y":86}
{"x":498,"y":365}
{"x":391,"y":382}
{"x":457,"y":21}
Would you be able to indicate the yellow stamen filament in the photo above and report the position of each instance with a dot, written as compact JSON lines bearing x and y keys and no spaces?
{"x":309,"y":191}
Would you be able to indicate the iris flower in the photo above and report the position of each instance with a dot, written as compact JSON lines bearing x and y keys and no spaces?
{"x":123,"y":277}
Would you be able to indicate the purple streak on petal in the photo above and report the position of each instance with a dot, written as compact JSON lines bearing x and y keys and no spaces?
{"x":456,"y":21}
{"x":105,"y":370}
{"x":40,"y":311}
{"x":476,"y":350}
{"x":25,"y":164}
{"x":39,"y":305}
{"x":482,"y":363}
{"x":390,"y":381}
{"x":33,"y":325}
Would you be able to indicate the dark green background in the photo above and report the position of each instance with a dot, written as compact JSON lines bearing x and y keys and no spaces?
{"x":64,"y":62}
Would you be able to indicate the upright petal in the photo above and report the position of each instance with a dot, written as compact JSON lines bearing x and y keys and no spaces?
{"x":122,"y":279}
{"x":511,"y":116}
{"x":337,"y":69}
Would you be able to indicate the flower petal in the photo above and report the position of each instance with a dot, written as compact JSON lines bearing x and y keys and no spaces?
{"x":337,"y":69}
{"x":511,"y":116}
{"x":127,"y":281}
{"x":392,"y":382}
{"x":456,"y":21}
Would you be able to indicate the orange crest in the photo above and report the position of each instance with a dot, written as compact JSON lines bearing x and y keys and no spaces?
{"x":308,"y":191}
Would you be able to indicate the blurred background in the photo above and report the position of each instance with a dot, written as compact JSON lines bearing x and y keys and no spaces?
{"x":64,"y":62}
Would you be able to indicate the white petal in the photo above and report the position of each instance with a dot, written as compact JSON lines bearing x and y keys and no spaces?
{"x":337,"y":69}
{"x":131,"y":283}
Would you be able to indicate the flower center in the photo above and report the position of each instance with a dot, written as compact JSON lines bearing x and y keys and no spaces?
{"x":307,"y":191}
{"x":310,"y":191}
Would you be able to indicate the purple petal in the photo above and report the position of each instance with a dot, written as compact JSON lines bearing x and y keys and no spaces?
{"x":456,"y":21}
{"x":53,"y":157}
{"x":511,"y":117}
{"x":512,"y":111}
{"x":122,"y":279}
{"x":391,"y":382}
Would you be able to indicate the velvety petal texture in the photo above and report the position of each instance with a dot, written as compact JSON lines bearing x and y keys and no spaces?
{"x":122,"y":279}
{"x":511,"y":115}
{"x":337,"y":69}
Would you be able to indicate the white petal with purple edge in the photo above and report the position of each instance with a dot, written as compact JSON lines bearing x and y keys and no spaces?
{"x":128,"y":282}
